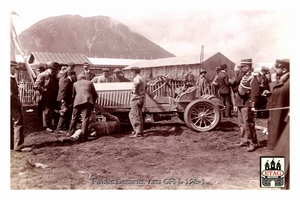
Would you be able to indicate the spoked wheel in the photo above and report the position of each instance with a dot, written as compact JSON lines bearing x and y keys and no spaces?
{"x":202,"y":115}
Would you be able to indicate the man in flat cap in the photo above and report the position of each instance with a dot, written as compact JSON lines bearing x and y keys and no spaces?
{"x":118,"y":76}
{"x":86,"y":72}
{"x":137,"y":102}
{"x":104,"y":77}
{"x":243,"y":107}
{"x":16,"y":113}
{"x":47,"y":84}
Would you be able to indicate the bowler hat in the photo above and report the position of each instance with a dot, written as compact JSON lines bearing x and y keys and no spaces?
{"x":202,"y":71}
{"x":71,"y":72}
{"x":54,"y":65}
{"x":85,"y":63}
{"x":264,"y":68}
{"x":282,"y":63}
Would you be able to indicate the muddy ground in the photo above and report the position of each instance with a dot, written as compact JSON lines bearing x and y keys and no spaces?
{"x":169,"y":156}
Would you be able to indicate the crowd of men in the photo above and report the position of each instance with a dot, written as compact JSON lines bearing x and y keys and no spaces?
{"x":252,"y":94}
{"x":63,"y":97}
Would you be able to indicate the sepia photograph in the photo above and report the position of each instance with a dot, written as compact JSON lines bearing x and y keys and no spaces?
{"x":149,"y":95}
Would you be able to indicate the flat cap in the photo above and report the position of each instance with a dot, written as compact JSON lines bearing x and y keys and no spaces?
{"x":117,"y":70}
{"x":202,"y":71}
{"x":135,"y":69}
{"x":105,"y":70}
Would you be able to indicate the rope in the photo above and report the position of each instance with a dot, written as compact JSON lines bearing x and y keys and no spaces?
{"x":280,"y":108}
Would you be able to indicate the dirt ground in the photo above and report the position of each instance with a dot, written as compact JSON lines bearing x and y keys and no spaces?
{"x":169,"y":157}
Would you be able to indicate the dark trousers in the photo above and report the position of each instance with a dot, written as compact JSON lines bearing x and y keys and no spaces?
{"x":64,"y":120}
{"x":49,"y":101}
{"x":17,"y":135}
{"x":86,"y":110}
{"x":226,"y":101}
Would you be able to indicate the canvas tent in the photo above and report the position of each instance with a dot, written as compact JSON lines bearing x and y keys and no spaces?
{"x":180,"y":67}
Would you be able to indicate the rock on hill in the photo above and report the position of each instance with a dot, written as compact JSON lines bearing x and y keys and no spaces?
{"x":98,"y":36}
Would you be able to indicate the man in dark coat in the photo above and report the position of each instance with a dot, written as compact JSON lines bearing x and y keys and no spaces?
{"x":64,"y":96}
{"x":84,"y":95}
{"x":279,"y":102}
{"x":16,"y":112}
{"x":224,"y":89}
{"x":47,"y":84}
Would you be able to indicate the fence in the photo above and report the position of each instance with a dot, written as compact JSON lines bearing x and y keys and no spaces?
{"x":26,"y":92}
{"x":163,"y":86}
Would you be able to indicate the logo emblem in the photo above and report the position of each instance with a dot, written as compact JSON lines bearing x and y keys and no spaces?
{"x":272,"y":171}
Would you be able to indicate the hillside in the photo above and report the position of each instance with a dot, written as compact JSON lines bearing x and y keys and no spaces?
{"x":98,"y":36}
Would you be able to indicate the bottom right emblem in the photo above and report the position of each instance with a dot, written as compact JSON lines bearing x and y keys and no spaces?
{"x":272,"y":171}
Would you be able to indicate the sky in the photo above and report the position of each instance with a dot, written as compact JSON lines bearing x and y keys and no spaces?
{"x":237,"y":30}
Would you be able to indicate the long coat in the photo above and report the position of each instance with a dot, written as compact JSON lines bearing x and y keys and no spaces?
{"x":280,"y":97}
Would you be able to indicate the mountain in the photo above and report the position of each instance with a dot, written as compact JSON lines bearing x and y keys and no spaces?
{"x":98,"y":36}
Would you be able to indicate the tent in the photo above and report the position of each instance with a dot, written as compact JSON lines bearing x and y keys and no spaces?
{"x":180,"y":67}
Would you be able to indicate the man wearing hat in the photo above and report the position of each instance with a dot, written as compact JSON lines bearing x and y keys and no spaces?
{"x":279,"y":122}
{"x":225,"y":90}
{"x":202,"y":83}
{"x":243,"y":107}
{"x":259,"y":89}
{"x":104,"y":77}
{"x":279,"y":101}
{"x":86,"y":72}
{"x":47,"y":84}
{"x":16,"y":113}
{"x":118,"y":76}
{"x":137,"y":102}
